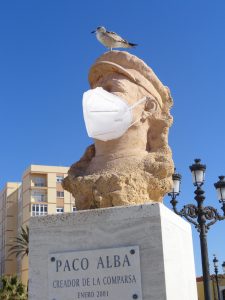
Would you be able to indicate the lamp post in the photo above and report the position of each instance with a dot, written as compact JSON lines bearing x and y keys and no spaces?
{"x":215,"y":262}
{"x":199,"y":215}
{"x":223,"y":267}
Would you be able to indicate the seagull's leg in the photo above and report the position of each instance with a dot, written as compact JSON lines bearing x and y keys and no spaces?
{"x":110,"y":48}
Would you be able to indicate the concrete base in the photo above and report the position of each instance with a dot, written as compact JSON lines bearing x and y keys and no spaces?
{"x":164,"y":239}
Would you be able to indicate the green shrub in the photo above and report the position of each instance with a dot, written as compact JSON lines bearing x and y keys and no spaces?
{"x":11,"y":288}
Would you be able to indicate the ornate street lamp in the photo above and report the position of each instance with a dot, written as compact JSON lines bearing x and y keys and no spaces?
{"x":223,"y":266}
{"x":202,"y":217}
{"x":215,"y":262}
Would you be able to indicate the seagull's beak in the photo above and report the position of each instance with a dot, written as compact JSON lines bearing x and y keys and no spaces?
{"x":93,"y":31}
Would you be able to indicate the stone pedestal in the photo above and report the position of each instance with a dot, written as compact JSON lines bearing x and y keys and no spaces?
{"x":164,"y":241}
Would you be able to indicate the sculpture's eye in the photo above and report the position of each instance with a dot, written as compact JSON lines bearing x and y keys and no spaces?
{"x":149,"y":105}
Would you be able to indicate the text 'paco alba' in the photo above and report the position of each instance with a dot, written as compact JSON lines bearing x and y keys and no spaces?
{"x":102,"y":262}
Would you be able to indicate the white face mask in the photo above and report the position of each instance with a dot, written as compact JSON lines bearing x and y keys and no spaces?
{"x":106,"y":115}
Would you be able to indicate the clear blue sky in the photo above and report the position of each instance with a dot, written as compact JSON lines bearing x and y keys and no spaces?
{"x":46,"y":50}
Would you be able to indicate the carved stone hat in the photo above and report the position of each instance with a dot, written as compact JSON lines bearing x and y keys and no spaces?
{"x":133,"y":68}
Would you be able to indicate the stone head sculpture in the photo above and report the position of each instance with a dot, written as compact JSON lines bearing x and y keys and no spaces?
{"x":136,"y":167}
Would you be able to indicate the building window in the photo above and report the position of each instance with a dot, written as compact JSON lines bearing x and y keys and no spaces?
{"x":74,"y":209}
{"x":39,"y":196}
{"x":39,"y":210}
{"x":59,"y":178}
{"x":59,"y":210}
{"x":60,"y":194}
{"x":39,"y":181}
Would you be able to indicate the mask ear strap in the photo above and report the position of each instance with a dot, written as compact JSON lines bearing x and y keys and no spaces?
{"x":142,"y":100}
{"x":135,"y":122}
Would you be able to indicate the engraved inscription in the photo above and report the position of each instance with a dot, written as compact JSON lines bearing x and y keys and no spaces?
{"x":104,"y":273}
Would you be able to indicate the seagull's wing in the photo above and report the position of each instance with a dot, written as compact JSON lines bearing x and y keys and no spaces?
{"x":116,"y":37}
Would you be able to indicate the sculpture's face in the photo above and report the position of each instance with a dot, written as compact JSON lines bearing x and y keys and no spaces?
{"x":137,"y":167}
{"x":121,"y":86}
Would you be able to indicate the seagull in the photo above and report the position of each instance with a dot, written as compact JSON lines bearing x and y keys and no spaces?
{"x":111,"y":39}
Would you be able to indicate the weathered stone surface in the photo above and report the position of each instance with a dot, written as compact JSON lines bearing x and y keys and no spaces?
{"x":137,"y":167}
{"x":164,"y":240}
